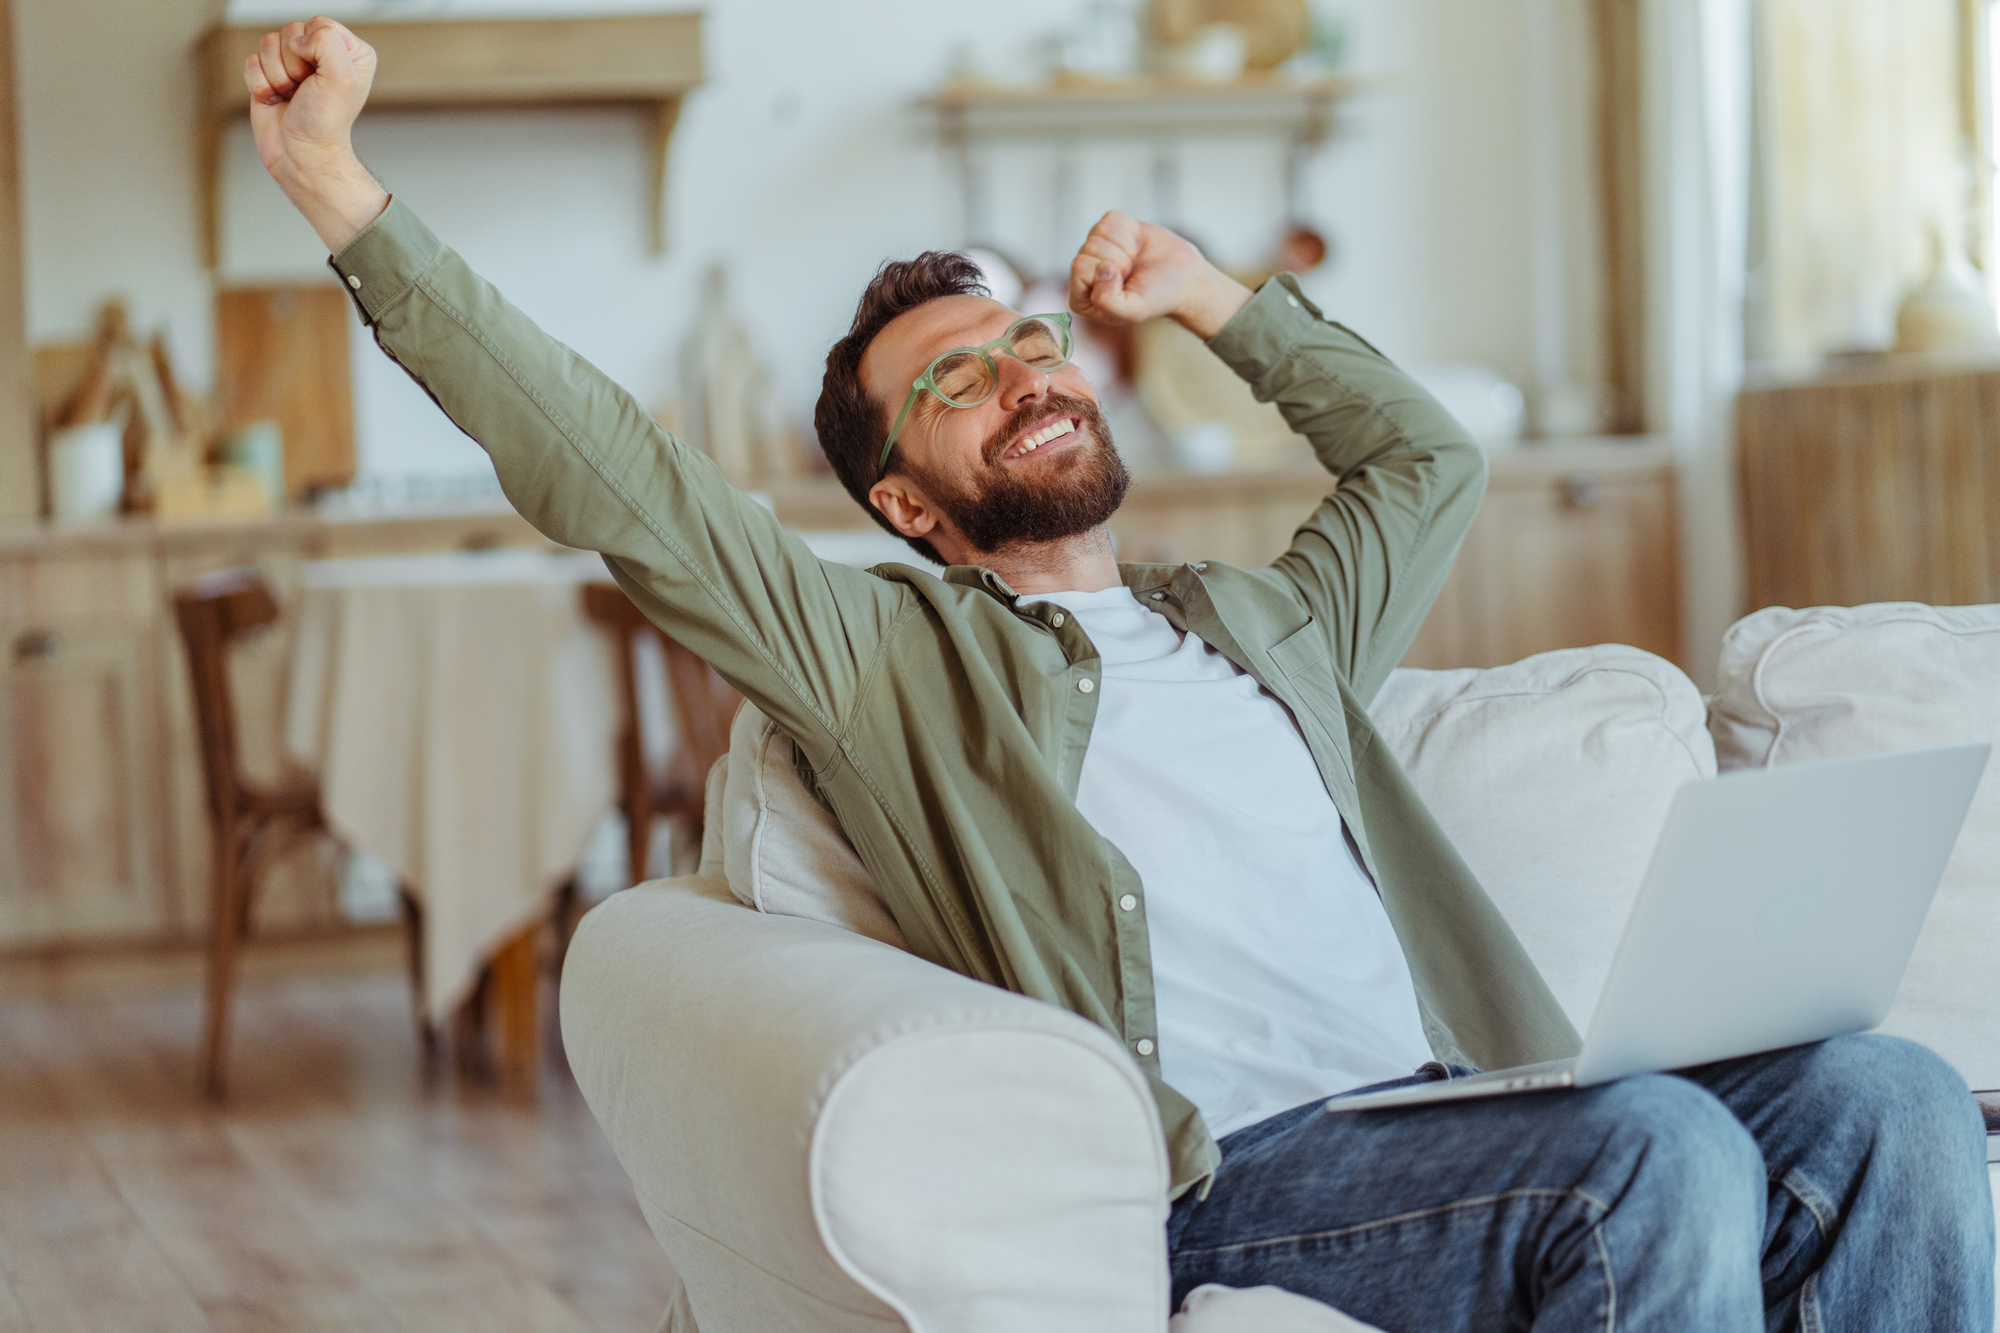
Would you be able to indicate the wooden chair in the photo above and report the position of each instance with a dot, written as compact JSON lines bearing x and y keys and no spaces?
{"x":248,"y":823}
{"x":703,"y":705}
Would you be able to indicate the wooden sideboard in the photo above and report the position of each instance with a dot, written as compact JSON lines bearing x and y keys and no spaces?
{"x":1879,"y":484}
{"x":103,"y":833}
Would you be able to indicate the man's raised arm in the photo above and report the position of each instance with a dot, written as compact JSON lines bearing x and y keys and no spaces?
{"x":1370,"y":560}
{"x":576,"y":454}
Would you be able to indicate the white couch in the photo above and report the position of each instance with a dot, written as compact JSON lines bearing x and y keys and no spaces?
{"x":827,"y":1133}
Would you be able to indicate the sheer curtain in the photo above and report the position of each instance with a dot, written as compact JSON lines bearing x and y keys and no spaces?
{"x":1695,"y":119}
{"x":1863,"y":168}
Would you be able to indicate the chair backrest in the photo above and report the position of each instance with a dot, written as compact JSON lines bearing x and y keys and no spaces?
{"x":702,"y":701}
{"x":213,"y":611}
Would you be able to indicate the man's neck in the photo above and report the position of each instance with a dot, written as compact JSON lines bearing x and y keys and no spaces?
{"x":1083,"y":563}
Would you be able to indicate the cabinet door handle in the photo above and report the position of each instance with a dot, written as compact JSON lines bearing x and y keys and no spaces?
{"x":37,"y":645}
{"x":1582,"y":489}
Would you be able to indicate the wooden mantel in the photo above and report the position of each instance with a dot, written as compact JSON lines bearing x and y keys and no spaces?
{"x":649,"y":61}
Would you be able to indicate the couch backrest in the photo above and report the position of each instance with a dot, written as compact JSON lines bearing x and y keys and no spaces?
{"x":1830,"y":682}
{"x":1553,"y":776}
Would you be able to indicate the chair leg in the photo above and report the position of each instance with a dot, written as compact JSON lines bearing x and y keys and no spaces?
{"x":638,"y":838}
{"x":413,"y":934}
{"x":225,"y":922}
{"x":563,"y":917}
{"x":469,"y":1031}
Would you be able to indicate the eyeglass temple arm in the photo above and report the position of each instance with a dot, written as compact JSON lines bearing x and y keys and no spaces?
{"x":882,"y":463}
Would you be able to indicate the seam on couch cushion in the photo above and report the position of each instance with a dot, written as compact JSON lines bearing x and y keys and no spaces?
{"x":1778,"y":722}
{"x":1571,"y":679}
{"x":1835,"y":629}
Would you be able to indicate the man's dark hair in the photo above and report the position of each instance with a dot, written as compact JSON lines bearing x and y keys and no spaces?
{"x":851,"y":427}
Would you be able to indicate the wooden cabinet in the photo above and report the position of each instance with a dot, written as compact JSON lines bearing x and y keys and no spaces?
{"x":80,"y":789}
{"x":1573,"y":546}
{"x":79,"y":793}
{"x":1880,"y":484}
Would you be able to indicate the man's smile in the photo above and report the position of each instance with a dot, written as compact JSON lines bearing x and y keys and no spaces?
{"x":1059,"y":432}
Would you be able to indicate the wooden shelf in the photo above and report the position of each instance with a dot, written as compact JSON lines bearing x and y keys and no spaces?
{"x":1146,"y":108}
{"x":647,"y":61}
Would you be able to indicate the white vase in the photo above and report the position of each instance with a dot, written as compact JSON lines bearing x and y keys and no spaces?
{"x":1951,"y":312}
{"x":86,"y":472}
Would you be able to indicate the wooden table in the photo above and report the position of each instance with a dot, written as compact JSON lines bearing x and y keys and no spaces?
{"x":459,"y":710}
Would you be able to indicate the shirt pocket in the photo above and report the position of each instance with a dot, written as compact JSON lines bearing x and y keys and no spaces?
{"x":1301,"y":650}
{"x":1304,"y":662}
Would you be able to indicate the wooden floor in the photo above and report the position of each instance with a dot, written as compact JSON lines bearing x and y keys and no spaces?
{"x":341,"y":1188}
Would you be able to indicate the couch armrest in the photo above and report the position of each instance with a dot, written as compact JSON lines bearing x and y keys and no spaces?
{"x":829,"y":1133}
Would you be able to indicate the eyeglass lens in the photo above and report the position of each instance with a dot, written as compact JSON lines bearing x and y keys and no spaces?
{"x":965,"y":378}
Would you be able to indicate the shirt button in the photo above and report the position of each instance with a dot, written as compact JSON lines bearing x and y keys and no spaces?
{"x":354,"y":282}
{"x":1201,"y":568}
{"x":1159,"y":597}
{"x":1292,"y":301}
{"x":1086,"y":685}
{"x":1128,"y":902}
{"x":1056,"y":620}
{"x":1143,"y":1046}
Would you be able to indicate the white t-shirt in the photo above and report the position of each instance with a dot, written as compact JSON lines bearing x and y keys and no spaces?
{"x":1277,"y":978}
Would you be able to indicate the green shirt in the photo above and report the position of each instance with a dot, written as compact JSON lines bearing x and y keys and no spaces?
{"x":945,"y":724}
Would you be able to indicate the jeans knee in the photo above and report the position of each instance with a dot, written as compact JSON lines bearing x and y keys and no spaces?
{"x":1683,"y":1147}
{"x":1896,"y":1093}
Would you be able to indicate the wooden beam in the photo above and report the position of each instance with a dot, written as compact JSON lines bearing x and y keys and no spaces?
{"x":20,"y":476}
{"x":1621,"y":183}
{"x":647,"y":61}
{"x":664,"y":116}
{"x":1975,"y":103}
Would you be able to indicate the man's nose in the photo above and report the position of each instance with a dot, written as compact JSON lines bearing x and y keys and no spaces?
{"x":1019,"y":382}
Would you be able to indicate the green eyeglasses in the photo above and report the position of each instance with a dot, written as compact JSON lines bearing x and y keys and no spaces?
{"x":968,"y":376}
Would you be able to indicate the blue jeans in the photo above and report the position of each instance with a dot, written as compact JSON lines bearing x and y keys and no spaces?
{"x":1837,"y":1186}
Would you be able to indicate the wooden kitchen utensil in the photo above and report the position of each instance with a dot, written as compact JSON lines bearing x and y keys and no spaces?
{"x":282,"y":355}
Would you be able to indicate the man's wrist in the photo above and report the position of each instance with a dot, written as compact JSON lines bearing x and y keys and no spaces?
{"x":1215,"y":300}
{"x":338,"y":195}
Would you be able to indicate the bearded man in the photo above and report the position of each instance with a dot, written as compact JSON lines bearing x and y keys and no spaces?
{"x":1152,"y":795}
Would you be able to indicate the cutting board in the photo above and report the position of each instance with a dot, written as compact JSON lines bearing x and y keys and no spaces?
{"x":282,"y":355}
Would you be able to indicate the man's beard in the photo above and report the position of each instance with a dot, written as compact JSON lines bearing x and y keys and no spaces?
{"x":1059,"y":499}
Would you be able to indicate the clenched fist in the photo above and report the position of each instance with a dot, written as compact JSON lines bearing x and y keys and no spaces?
{"x":307,"y":84}
{"x":1129,"y":271}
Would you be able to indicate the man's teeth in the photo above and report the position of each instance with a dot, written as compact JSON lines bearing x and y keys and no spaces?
{"x":1053,"y":430}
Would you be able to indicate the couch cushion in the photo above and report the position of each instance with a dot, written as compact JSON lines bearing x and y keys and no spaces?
{"x":1830,"y":682}
{"x":1552,"y":777}
{"x":782,"y":851}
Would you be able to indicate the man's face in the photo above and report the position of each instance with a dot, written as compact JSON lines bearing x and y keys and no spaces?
{"x":1033,"y":463}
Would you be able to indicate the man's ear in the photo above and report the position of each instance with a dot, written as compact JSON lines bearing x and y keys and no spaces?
{"x":904,"y":505}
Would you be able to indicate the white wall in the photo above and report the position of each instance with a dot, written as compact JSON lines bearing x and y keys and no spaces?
{"x":800,"y":165}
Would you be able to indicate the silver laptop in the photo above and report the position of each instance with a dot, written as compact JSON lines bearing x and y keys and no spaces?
{"x":1780,"y":907}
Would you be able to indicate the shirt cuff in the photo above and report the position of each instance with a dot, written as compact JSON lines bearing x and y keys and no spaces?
{"x":379,"y":266}
{"x":1264,"y":332}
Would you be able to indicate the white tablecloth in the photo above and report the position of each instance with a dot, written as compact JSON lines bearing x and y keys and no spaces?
{"x":461,"y":713}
